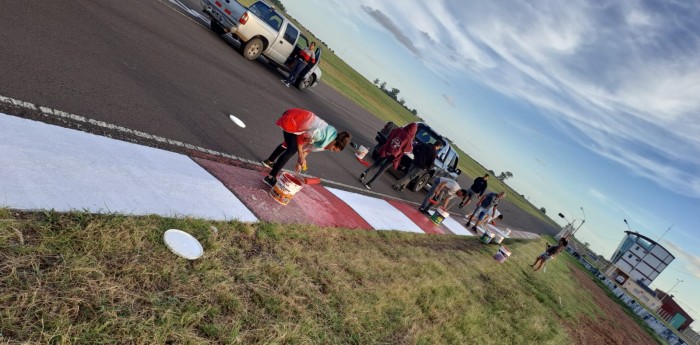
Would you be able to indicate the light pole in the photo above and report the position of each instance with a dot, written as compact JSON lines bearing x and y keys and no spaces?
{"x":582,"y":221}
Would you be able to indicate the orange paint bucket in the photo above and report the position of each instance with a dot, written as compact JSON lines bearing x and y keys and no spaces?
{"x":286,"y":187}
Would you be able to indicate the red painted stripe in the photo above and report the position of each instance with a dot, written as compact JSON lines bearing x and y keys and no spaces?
{"x":218,"y":4}
{"x":420,"y":219}
{"x":227,"y":11}
{"x":314,"y":204}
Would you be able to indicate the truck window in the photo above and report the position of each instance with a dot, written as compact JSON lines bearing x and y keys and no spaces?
{"x":290,"y":34}
{"x":426,"y":137}
{"x":453,"y":163}
{"x":302,"y":42}
{"x":265,"y":13}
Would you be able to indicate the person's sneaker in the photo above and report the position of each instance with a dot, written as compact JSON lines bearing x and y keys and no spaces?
{"x":424,"y":211}
{"x":285,"y":82}
{"x":268,"y":163}
{"x":474,"y":228}
{"x":368,"y":186}
{"x":362,"y":177}
{"x":270,"y":180}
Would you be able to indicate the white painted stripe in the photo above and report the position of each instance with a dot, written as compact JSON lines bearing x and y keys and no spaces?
{"x":50,"y":167}
{"x":377,"y":212}
{"x":456,"y":227}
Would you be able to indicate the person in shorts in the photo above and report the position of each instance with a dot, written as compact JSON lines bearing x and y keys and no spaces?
{"x":549,"y":253}
{"x":443,"y":190}
{"x":487,"y":204}
{"x":478,"y":187}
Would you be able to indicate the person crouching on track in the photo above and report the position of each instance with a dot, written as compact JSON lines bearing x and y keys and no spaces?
{"x":399,"y":142}
{"x":303,"y":132}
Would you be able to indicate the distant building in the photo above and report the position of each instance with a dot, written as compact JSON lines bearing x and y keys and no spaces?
{"x":643,"y":294}
{"x":672,"y":312}
{"x":638,"y":258}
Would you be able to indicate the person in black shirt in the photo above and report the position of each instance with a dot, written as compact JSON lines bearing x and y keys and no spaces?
{"x":423,"y":159}
{"x":478,"y":187}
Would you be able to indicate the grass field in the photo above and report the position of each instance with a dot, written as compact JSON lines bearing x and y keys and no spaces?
{"x":81,"y":278}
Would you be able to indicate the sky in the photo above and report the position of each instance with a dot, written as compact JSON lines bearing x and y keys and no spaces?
{"x":591,"y":105}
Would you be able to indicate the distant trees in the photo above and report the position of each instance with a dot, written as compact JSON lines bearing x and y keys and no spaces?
{"x":543,"y":210}
{"x":394,"y":94}
{"x":505,"y":175}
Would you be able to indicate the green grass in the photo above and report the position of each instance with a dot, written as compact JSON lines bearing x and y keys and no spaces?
{"x":81,"y":278}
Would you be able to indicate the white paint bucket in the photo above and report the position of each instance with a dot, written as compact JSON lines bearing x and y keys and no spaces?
{"x":497,"y":238}
{"x":486,"y":237}
{"x":502,"y":254}
{"x":439,"y":215}
{"x":287,"y":185}
{"x":361,"y":152}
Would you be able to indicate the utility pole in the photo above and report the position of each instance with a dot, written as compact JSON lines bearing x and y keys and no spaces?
{"x":678,"y":281}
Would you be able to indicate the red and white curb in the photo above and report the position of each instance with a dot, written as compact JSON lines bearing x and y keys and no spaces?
{"x":51,"y":167}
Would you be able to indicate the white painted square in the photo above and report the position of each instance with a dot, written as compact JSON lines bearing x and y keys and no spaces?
{"x":50,"y":167}
{"x":456,"y":227}
{"x":377,"y":212}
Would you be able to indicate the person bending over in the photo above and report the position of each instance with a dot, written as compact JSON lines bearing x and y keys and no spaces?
{"x":303,"y":132}
{"x":549,"y":253}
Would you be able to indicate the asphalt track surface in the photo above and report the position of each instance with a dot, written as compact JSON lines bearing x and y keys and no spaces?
{"x":153,"y":66}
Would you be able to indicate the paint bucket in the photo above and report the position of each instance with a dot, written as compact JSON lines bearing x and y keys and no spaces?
{"x":497,"y":238}
{"x":502,"y":254}
{"x":287,"y":185}
{"x":486,"y":237}
{"x":361,"y":152}
{"x":439,"y":215}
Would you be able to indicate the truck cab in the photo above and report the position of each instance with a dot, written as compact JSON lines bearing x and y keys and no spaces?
{"x":262,"y":30}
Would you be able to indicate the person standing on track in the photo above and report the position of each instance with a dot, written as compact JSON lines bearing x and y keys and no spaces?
{"x":305,"y":56}
{"x":478,"y":187}
{"x":303,"y":132}
{"x":399,"y":142}
{"x":423,"y":159}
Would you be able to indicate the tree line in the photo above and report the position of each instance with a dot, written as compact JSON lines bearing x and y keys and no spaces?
{"x":394,"y":94}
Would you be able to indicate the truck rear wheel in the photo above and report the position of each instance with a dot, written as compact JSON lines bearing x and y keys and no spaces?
{"x":252,"y":49}
{"x":418,"y":184}
{"x":216,"y":28}
{"x":306,"y":83}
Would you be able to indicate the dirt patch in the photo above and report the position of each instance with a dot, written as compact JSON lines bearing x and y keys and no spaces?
{"x":615,"y":327}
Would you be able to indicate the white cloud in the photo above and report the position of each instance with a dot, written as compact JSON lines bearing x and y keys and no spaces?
{"x":691,"y":262}
{"x":622,"y":79}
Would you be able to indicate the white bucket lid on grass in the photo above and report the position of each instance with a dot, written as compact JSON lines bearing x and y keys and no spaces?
{"x":183,"y":244}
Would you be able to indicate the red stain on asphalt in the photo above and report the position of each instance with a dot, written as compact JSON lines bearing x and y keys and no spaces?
{"x":422,"y":220}
{"x":312,"y":205}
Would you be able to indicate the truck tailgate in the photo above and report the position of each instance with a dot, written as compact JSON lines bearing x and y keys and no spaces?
{"x":226,"y":12}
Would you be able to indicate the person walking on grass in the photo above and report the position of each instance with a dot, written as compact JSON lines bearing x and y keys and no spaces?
{"x":443,"y":190}
{"x":487,"y":203}
{"x":306,"y":56}
{"x":303,"y":132}
{"x":399,"y":142}
{"x":478,"y":187}
{"x":549,"y":253}
{"x":423,"y":159}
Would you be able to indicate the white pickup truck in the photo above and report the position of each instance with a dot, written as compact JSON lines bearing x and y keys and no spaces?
{"x":262,"y":30}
